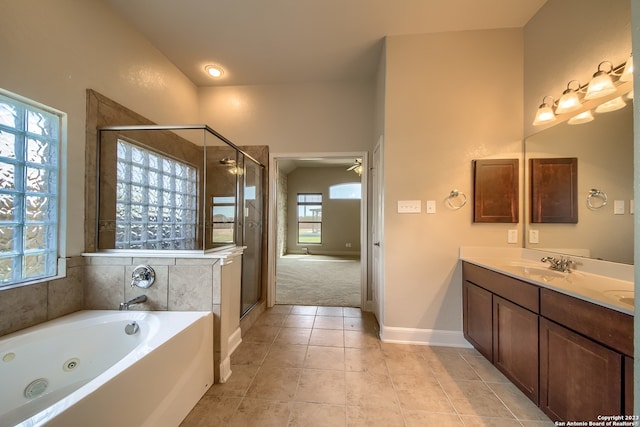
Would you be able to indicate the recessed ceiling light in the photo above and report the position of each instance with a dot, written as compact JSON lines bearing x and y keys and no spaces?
{"x":214,"y":71}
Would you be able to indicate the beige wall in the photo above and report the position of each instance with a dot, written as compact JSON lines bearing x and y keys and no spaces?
{"x":450,"y":98}
{"x":54,"y":50}
{"x":340,"y":218}
{"x":331,"y":117}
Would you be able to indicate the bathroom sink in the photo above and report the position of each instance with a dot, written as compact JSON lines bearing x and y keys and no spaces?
{"x":535,"y":272}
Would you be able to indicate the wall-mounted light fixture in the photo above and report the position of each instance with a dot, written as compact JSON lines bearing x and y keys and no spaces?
{"x":605,"y":82}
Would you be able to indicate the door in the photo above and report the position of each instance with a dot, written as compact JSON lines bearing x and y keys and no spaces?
{"x":377,"y":256}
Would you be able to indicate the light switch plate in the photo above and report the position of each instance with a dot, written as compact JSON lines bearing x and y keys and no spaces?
{"x":533,"y":236}
{"x":431,"y":206}
{"x":512,"y":236}
{"x":618,"y":207}
{"x":409,"y":206}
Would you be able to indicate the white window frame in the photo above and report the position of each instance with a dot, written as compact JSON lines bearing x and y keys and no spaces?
{"x":59,"y":241}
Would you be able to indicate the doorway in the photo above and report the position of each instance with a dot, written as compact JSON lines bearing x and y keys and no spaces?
{"x":317,"y":236}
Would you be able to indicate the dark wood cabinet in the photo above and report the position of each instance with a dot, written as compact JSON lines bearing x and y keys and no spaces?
{"x":579,"y":378}
{"x":515,"y":345}
{"x":478,"y":319}
{"x":573,"y":358}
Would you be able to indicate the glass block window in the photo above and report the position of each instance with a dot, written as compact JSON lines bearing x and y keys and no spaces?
{"x":156,"y":202}
{"x":30,"y":140}
{"x":309,"y":218}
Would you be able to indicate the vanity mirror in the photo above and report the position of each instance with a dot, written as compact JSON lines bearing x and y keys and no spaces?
{"x":604,"y":151}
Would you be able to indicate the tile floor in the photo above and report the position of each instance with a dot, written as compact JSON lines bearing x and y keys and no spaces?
{"x":324,"y":366}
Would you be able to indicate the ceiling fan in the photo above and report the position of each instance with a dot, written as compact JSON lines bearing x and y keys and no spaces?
{"x":356,"y":167}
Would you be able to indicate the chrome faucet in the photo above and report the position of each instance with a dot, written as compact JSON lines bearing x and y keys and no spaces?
{"x":134,"y":301}
{"x":562,"y":264}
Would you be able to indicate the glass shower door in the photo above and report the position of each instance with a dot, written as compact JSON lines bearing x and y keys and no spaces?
{"x":251,"y":289}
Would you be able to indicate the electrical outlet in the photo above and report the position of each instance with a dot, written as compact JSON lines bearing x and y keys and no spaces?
{"x":618,"y":207}
{"x":533,"y":236}
{"x":512,"y":236}
{"x":347,"y":245}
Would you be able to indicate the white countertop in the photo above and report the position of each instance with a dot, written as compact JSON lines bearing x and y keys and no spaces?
{"x":600,"y":282}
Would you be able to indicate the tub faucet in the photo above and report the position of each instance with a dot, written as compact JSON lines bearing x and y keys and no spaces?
{"x":562,"y":264}
{"x":134,"y":301}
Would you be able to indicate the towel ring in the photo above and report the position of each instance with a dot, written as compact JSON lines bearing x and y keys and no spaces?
{"x":456,"y":199}
{"x":596,"y":194}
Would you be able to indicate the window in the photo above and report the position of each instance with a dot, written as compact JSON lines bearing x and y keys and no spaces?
{"x":30,"y":144}
{"x":350,"y":190}
{"x":156,"y":203}
{"x":224,"y":219}
{"x":310,"y":218}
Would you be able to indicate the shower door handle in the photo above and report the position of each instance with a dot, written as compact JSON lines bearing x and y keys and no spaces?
{"x":376,"y":244}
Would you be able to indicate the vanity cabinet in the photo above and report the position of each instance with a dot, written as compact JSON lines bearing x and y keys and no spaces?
{"x":478,"y":319}
{"x":573,"y":358}
{"x":501,"y":322}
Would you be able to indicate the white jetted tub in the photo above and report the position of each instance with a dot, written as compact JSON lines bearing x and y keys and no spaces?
{"x":106,"y":368}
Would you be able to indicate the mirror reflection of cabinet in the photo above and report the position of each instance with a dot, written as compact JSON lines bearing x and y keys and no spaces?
{"x":554,"y":187}
{"x":495,"y":190}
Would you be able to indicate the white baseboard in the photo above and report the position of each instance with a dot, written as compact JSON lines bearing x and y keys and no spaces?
{"x":435,"y":337}
{"x":235,"y":339}
{"x":225,"y":370}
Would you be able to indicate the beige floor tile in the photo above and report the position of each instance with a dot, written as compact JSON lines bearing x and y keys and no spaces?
{"x":260,"y":413}
{"x":365,"y":359}
{"x":426,"y":419}
{"x":304,"y":414}
{"x":249,"y":353}
{"x":275,"y":383}
{"x":486,"y":370}
{"x":351,"y":312}
{"x":327,"y":337}
{"x":360,"y":416}
{"x":237,"y":384}
{"x":211,"y":411}
{"x":261,"y":334}
{"x":329,"y":322}
{"x":270,"y":318}
{"x":280,"y":308}
{"x":474,"y":398}
{"x":409,"y":363}
{"x":309,"y":310}
{"x":517,"y":402}
{"x":325,"y":358}
{"x":298,"y":336}
{"x":369,"y":389}
{"x":414,"y":381}
{"x":329,"y":311}
{"x":299,"y":321}
{"x":452,"y":366}
{"x":489,"y":422}
{"x":285,"y":356}
{"x":425,"y":399}
{"x":364,"y":323}
{"x":321,"y":386}
{"x":360,"y":339}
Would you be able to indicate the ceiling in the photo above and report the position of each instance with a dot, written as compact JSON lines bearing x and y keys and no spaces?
{"x":301,"y":41}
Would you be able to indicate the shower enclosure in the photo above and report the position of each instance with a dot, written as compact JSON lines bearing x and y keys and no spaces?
{"x":181,"y":188}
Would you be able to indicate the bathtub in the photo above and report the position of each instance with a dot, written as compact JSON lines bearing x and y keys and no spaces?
{"x":85,"y":369}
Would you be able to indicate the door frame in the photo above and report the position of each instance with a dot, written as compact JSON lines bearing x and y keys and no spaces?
{"x":273,"y":206}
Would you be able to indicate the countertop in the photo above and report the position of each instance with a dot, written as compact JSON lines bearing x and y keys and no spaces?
{"x":606,"y":286}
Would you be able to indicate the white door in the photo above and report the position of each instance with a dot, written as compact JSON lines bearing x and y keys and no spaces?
{"x":377,"y":256}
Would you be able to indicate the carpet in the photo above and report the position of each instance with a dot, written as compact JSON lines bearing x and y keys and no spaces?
{"x":318,"y":280}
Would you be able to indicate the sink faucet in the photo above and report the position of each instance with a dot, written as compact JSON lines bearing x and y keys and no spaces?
{"x":134,"y":301}
{"x":562,"y":264}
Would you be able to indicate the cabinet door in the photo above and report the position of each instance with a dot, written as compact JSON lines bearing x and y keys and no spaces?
{"x":628,"y":386}
{"x":478,"y":318}
{"x":515,"y":345}
{"x":579,"y":378}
